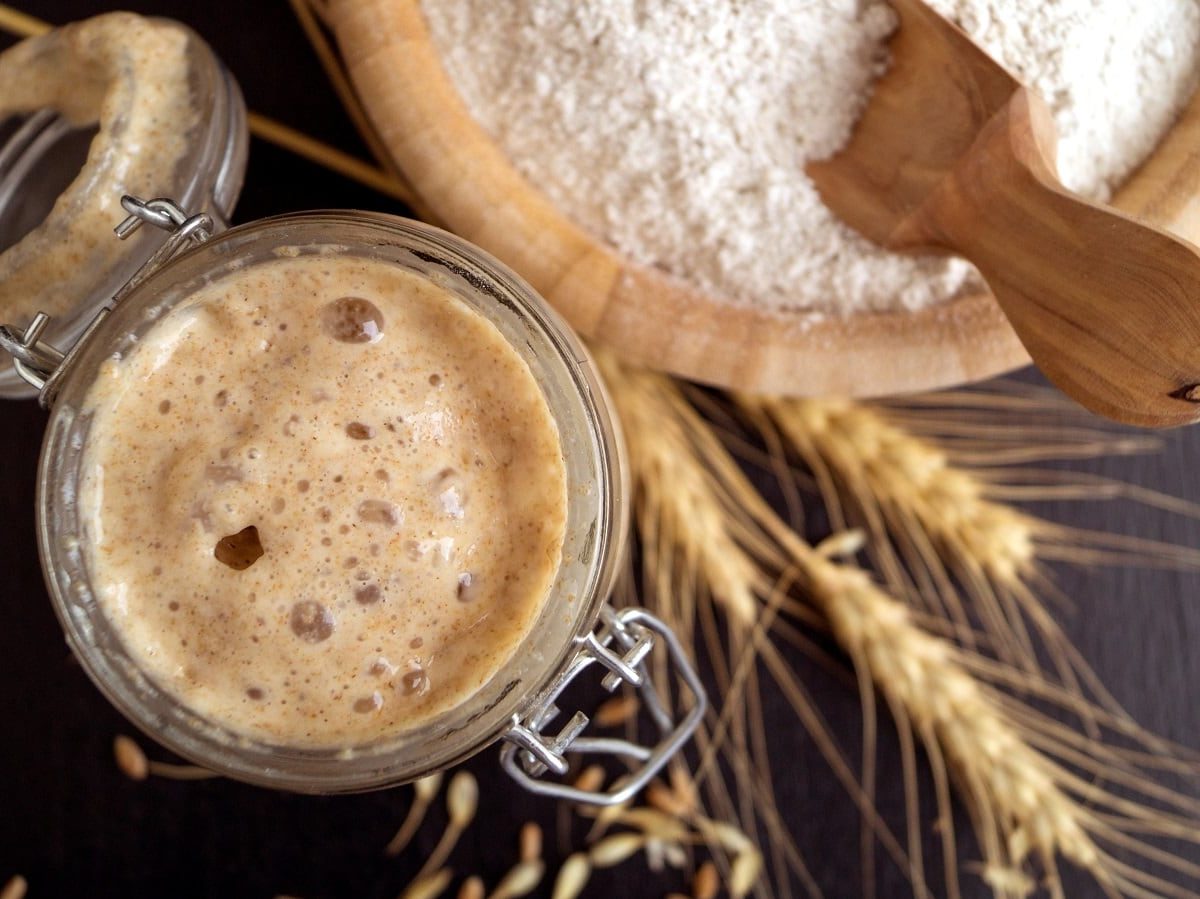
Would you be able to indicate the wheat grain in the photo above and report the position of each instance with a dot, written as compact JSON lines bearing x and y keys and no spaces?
{"x":672,"y":853}
{"x":615,"y":849}
{"x":520,"y":881}
{"x":665,"y":800}
{"x":616,"y":711}
{"x":572,"y":876}
{"x":16,"y":888}
{"x":683,"y":786}
{"x":603,"y":817}
{"x":133,"y":764}
{"x":744,"y":874}
{"x":656,"y":855}
{"x":1007,"y":881}
{"x":706,"y":882}
{"x":530,"y":842}
{"x":462,"y":799}
{"x":656,"y":825}
{"x":428,"y":886}
{"x":130,"y":758}
{"x":590,"y":779}
{"x":424,"y":792}
{"x":724,"y":834}
{"x":472,"y":888}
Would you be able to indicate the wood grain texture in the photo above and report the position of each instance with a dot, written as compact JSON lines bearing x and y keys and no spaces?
{"x":647,"y":315}
{"x":1108,"y":307}
{"x":952,"y":154}
{"x":924,"y":116}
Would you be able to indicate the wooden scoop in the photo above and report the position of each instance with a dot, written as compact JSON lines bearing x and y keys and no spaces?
{"x":952,"y":153}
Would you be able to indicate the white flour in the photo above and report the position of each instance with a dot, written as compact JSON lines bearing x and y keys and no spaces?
{"x":678,"y":132}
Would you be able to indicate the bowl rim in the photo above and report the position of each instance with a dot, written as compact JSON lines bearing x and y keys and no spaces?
{"x":467,"y":181}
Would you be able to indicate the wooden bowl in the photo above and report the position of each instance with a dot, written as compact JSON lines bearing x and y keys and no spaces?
{"x":659,"y":320}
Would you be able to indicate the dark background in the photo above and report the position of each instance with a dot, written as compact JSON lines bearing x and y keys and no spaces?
{"x":73,"y":825}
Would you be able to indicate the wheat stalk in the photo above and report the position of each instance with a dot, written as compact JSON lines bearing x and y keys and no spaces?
{"x":913,"y":479}
{"x":694,"y":549}
{"x":1020,"y":797}
{"x":425,"y":790}
{"x":132,"y":762}
{"x":675,"y":511}
{"x":692,"y":532}
{"x":909,"y":471}
{"x":1025,"y":782}
{"x":905,"y":491}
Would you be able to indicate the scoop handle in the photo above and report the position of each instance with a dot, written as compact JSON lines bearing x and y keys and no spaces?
{"x":1107,"y":306}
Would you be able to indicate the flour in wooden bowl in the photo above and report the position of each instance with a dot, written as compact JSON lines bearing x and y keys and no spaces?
{"x":678,"y":132}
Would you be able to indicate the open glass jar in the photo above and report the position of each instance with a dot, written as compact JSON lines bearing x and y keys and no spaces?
{"x":575,"y":629}
{"x":117,"y":298}
{"x":110,"y":105}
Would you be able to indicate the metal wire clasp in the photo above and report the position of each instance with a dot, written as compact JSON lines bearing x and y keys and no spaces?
{"x":620,"y":644}
{"x":42,"y":364}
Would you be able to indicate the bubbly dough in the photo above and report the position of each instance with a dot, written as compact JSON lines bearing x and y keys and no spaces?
{"x":325,"y":500}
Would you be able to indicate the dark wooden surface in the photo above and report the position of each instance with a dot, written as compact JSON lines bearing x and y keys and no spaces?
{"x":74,"y":826}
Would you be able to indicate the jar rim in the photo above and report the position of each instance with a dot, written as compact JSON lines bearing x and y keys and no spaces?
{"x":209,"y":173}
{"x":564,"y":372}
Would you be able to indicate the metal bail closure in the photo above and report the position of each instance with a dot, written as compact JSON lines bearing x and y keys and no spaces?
{"x":621,"y":643}
{"x":42,"y":364}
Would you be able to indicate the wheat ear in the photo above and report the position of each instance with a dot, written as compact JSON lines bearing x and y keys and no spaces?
{"x":1026,"y":805}
{"x":940,"y":535}
{"x":1019,"y":797}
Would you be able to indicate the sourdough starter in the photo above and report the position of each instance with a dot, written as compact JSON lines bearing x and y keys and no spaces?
{"x":325,"y":500}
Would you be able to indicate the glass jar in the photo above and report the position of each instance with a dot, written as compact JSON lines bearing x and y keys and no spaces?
{"x":576,"y":630}
{"x":48,"y":183}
